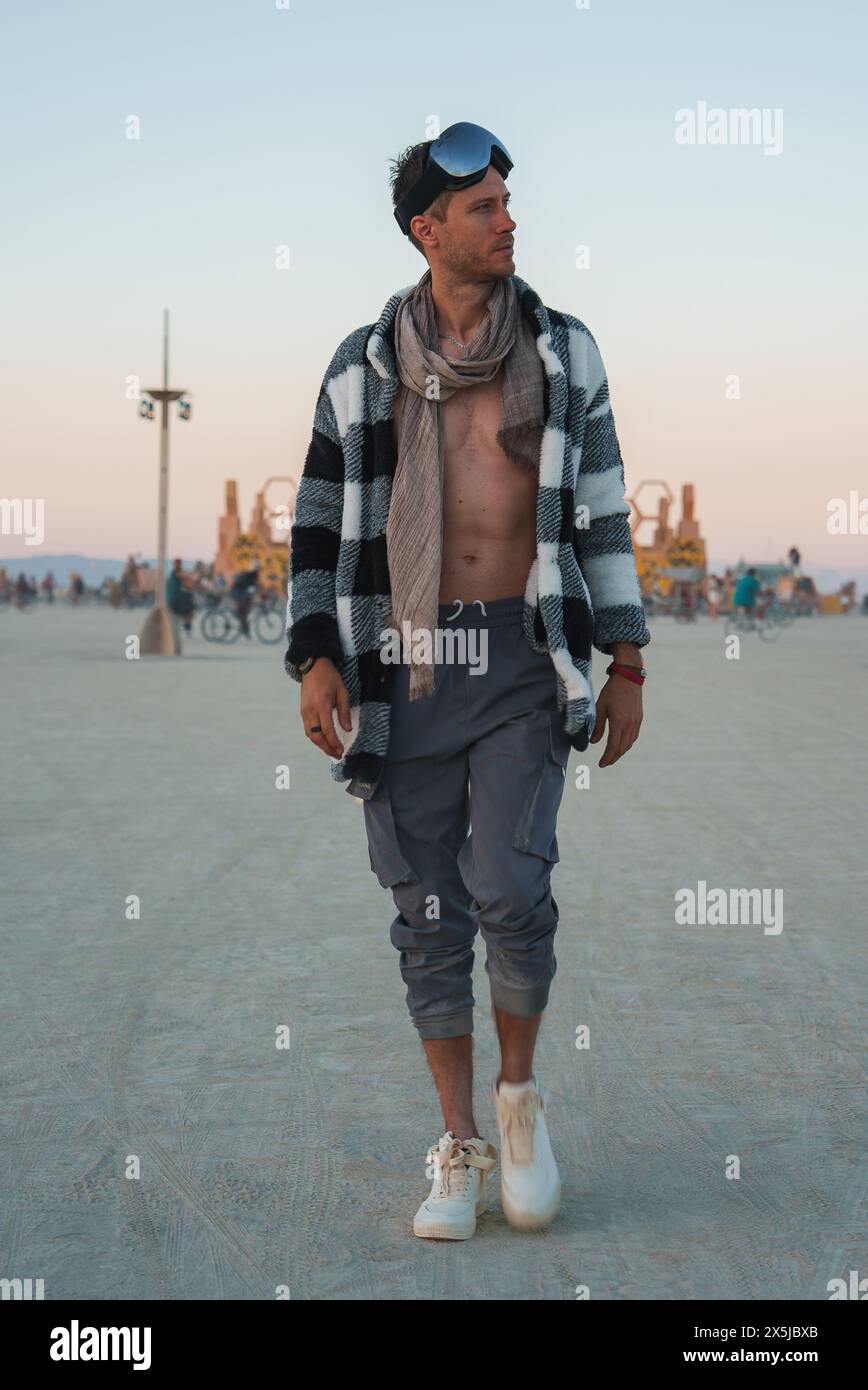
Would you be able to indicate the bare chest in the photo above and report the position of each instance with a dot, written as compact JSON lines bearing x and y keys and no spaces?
{"x":489,"y":502}
{"x":469,"y":421}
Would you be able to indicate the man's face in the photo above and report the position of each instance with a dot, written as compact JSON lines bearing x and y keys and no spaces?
{"x":475,"y":243}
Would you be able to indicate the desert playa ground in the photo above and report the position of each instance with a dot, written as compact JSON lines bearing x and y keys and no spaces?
{"x":261,"y":1166}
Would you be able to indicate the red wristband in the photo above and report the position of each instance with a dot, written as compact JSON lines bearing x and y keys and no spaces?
{"x":636,"y":674}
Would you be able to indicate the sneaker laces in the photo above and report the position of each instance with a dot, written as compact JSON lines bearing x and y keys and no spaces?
{"x":519,"y":1121}
{"x":449,"y":1162}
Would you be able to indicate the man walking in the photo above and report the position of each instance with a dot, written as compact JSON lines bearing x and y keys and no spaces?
{"x":461,"y":541}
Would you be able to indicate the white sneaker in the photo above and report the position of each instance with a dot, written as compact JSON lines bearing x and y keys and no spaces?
{"x":460,"y":1169}
{"x":530,"y":1187}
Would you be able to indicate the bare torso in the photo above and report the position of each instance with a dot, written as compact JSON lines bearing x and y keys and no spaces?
{"x":489,"y":503}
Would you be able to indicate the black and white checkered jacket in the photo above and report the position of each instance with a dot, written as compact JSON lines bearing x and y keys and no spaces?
{"x":581,"y":591}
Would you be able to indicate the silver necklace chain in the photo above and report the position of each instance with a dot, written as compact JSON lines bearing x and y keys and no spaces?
{"x":465,"y":346}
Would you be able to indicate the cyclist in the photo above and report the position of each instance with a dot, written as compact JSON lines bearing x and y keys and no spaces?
{"x":242,"y":594}
{"x":746,"y":590}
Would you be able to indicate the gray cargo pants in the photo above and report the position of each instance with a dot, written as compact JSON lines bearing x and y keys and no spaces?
{"x":485,"y":753}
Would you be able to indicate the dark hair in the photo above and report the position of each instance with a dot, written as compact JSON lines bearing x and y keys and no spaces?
{"x":406,"y":169}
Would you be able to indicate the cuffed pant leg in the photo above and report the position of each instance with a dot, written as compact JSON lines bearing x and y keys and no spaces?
{"x":417,"y":821}
{"x":516,"y":785}
{"x":457,"y":1025}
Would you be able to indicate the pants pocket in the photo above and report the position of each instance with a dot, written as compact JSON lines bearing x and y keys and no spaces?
{"x":535,"y":831}
{"x":384,"y":849}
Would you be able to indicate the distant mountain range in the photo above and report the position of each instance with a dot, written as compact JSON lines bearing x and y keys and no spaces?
{"x":94,"y":569}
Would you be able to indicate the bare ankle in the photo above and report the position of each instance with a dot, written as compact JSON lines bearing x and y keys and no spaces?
{"x":465,"y":1130}
{"x":513,"y":1077}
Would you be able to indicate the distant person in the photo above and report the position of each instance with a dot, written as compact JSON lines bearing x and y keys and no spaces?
{"x":795,"y":560}
{"x":22,"y":590}
{"x":48,"y":586}
{"x":178,"y":596}
{"x":242,"y":594}
{"x":728,"y":587}
{"x":746,"y":591}
{"x":130,"y":580}
{"x":716,"y":595}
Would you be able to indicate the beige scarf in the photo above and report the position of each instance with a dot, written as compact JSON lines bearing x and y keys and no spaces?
{"x":414,"y":531}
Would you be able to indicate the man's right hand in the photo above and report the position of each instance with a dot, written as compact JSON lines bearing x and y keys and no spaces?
{"x":322,"y":690}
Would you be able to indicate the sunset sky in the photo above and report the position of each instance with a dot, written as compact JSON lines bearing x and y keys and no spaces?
{"x":263,"y":126}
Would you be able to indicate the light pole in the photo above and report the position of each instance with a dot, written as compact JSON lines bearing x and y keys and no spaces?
{"x":160,"y":635}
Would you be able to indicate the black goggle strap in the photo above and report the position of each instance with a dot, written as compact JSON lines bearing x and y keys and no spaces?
{"x":433,"y":180}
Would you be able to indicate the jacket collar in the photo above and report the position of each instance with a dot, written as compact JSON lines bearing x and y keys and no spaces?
{"x":380,"y":346}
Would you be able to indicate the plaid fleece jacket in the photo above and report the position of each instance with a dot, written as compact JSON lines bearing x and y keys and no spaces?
{"x":581,"y":591}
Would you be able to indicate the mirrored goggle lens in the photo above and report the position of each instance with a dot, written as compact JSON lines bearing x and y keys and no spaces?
{"x":465,"y":150}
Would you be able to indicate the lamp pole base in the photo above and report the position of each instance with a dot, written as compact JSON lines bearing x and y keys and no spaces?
{"x":160,"y":636}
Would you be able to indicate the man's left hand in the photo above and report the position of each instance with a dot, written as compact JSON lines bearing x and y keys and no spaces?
{"x":619,"y":703}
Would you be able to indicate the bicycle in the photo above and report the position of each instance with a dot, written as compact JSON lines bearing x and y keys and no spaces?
{"x":269,"y":622}
{"x":762,"y":623}
{"x":221,"y":623}
{"x":784,"y":614}
{"x":218,"y":620}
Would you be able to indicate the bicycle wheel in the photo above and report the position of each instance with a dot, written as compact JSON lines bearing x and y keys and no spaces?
{"x":268,"y":625}
{"x":214,"y":625}
{"x":768,"y":629}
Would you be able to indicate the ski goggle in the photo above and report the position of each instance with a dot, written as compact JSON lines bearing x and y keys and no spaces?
{"x":458,"y":159}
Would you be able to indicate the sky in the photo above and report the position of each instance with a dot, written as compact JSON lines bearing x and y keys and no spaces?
{"x":263,"y":126}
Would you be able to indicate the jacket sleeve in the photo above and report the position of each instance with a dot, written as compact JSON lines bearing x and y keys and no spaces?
{"x":311,"y":610}
{"x":604,"y":544}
